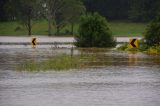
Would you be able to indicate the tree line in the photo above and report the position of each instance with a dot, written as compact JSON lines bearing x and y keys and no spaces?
{"x":62,"y":12}
{"x":132,"y":10}
{"x":57,"y":12}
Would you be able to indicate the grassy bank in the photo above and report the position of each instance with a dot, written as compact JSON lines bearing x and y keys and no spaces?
{"x":118,"y":28}
{"x":151,"y":50}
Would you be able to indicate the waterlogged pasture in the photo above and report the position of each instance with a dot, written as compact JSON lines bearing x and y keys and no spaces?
{"x":81,"y":59}
{"x":106,"y":78}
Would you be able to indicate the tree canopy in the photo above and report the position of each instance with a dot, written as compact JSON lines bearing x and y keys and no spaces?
{"x":57,"y":12}
{"x":61,"y":12}
{"x":152,"y":34}
{"x":25,"y":11}
{"x":132,"y":10}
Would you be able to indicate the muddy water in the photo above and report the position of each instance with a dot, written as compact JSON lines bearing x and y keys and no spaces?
{"x":120,"y":79}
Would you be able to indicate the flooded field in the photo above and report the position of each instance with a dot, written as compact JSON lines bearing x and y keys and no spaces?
{"x":117,"y":79}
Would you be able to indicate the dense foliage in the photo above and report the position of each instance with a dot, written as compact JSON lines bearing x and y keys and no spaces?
{"x":57,"y":12}
{"x":3,"y":15}
{"x":152,"y":34}
{"x":24,"y":11}
{"x":94,"y":32}
{"x":133,"y":10}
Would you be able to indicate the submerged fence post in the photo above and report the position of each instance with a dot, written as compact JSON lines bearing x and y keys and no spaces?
{"x":72,"y":51}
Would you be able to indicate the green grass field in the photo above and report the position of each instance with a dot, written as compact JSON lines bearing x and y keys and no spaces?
{"x":127,"y":28}
{"x":118,"y":28}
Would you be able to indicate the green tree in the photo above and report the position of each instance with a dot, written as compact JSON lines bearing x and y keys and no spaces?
{"x":3,"y":14}
{"x":152,"y":35}
{"x":26,"y":11}
{"x":73,"y":12}
{"x":111,"y":9}
{"x":144,"y":10}
{"x":52,"y":8}
{"x":59,"y":21}
{"x":61,"y":12}
{"x":94,"y":32}
{"x":133,"y":10}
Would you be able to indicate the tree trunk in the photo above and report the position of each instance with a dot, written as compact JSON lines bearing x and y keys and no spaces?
{"x":58,"y":30}
{"x":49,"y":25}
{"x":30,"y":31}
{"x":29,"y":27}
{"x":72,"y":28}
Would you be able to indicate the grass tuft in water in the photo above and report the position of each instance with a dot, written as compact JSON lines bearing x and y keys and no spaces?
{"x":62,"y":62}
{"x":65,"y":62}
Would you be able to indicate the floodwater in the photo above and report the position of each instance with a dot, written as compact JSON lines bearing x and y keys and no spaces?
{"x":125,"y":80}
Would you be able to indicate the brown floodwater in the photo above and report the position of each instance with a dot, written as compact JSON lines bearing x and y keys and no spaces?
{"x":113,"y":79}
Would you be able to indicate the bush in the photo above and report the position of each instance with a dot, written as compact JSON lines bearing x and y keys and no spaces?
{"x":123,"y":47}
{"x":154,"y":49}
{"x":94,"y":32}
{"x":142,"y":47}
{"x":152,"y":34}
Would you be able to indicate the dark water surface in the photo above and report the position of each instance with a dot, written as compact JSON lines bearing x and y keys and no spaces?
{"x":121,"y":79}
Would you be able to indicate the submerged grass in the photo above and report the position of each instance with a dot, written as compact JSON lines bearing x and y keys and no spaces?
{"x":64,"y":62}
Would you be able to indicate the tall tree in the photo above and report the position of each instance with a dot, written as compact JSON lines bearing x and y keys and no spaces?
{"x":52,"y":7}
{"x":133,"y":10}
{"x":26,"y":11}
{"x":59,"y":12}
{"x":144,"y":10}
{"x":73,"y":11}
{"x":111,"y":9}
{"x":3,"y":13}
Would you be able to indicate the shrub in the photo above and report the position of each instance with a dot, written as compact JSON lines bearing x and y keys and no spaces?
{"x":152,"y":34}
{"x":154,"y":49}
{"x":142,"y":46}
{"x":94,"y":32}
{"x":123,"y":47}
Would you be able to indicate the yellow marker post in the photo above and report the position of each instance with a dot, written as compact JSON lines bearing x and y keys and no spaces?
{"x":133,"y":43}
{"x":34,"y":42}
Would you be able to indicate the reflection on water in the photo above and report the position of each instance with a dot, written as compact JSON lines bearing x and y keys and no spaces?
{"x":99,"y":58}
{"x":132,"y":59}
{"x":113,"y":79}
